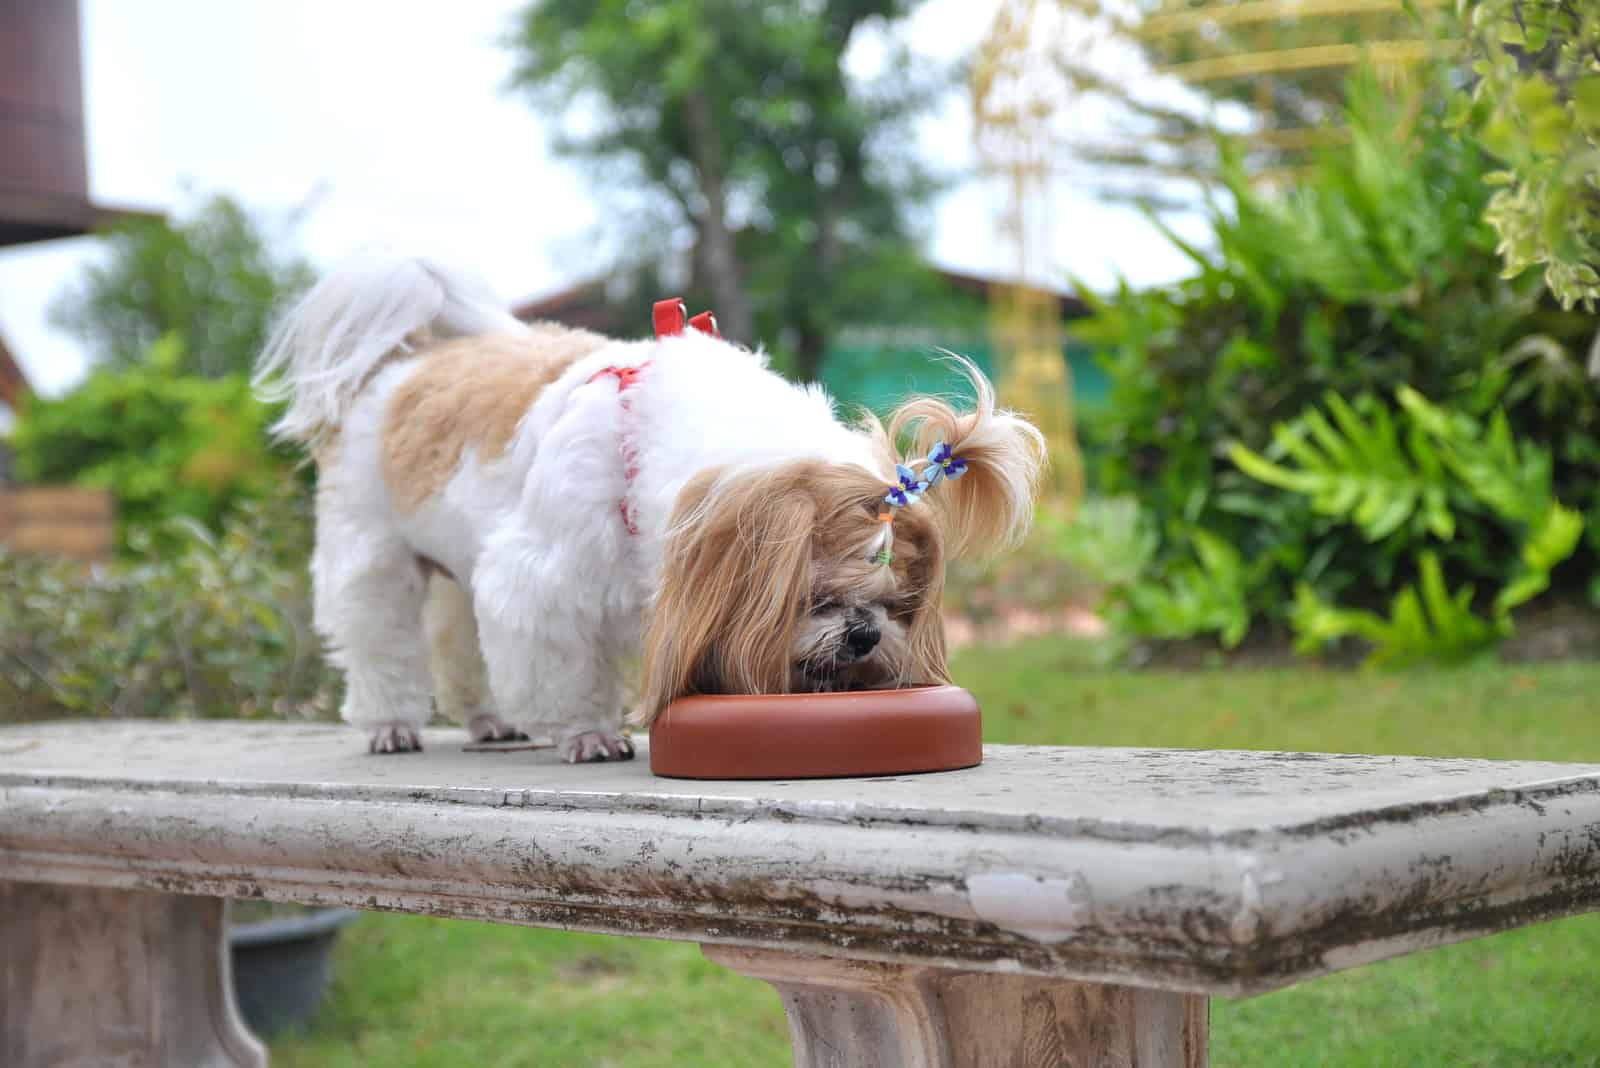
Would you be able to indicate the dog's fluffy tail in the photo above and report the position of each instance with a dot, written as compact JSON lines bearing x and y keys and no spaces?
{"x":360,"y":314}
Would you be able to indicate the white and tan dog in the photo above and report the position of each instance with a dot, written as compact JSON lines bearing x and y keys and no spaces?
{"x":568,"y":498}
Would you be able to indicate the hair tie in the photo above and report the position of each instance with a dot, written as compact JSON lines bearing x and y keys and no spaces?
{"x":882,"y":544}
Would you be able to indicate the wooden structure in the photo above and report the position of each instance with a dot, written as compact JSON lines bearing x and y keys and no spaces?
{"x":65,"y":521}
{"x":44,"y":171}
{"x":44,"y":195}
{"x":1284,"y":61}
{"x":79,"y":524}
{"x":1215,"y":40}
{"x":585,"y":306}
{"x":1054,"y":906}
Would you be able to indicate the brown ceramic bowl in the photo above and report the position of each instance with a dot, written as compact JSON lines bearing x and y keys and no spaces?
{"x":817,"y":735}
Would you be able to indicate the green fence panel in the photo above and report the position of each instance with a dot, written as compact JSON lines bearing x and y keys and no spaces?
{"x":881,"y":375}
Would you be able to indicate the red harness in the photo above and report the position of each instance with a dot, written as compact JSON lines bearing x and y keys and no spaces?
{"x":626,"y":377}
{"x":669,"y":316}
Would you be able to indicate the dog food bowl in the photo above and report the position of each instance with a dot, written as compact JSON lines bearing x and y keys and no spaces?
{"x":817,"y":735}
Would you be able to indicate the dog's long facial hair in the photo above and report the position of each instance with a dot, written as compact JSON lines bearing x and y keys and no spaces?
{"x":769,"y":585}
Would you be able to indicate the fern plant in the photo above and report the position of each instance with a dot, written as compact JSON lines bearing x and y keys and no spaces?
{"x":1411,"y":476}
{"x":1426,"y":621}
{"x":1356,"y":467}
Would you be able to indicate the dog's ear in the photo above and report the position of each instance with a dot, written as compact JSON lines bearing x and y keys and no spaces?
{"x":735,"y":583}
{"x":919,"y":577}
{"x":990,"y":506}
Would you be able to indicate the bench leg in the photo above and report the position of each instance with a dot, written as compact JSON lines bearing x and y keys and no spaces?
{"x":860,"y":1014}
{"x":117,"y":977}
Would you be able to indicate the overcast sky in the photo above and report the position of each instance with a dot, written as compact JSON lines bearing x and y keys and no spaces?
{"x":394,"y":117}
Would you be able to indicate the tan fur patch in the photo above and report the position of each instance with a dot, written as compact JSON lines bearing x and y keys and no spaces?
{"x":469,"y":391}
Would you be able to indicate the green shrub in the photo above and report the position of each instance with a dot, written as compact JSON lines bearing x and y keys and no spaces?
{"x":1406,"y":488}
{"x":218,"y":626}
{"x":1374,"y":270}
{"x":165,"y":444}
{"x":1536,"y":105}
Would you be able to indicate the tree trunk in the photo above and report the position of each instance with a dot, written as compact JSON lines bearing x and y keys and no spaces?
{"x":810,"y":347}
{"x":815,"y":333}
{"x":725,"y":275}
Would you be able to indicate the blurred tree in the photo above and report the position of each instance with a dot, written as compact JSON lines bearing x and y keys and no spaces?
{"x":212,"y":281}
{"x":1538,"y":108}
{"x":739,"y":117}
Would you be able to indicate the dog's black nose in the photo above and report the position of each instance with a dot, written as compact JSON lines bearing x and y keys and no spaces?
{"x":862,"y":638}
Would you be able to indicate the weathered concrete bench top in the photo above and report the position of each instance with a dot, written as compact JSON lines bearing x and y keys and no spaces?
{"x":1194,"y":871}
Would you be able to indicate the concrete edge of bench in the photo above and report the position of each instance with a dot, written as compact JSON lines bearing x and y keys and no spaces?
{"x":1230,"y":914}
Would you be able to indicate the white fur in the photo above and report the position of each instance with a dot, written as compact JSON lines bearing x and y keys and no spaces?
{"x":355,"y":318}
{"x":558,"y":585}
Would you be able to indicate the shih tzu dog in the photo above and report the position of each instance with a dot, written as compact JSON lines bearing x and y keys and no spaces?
{"x":506,"y":512}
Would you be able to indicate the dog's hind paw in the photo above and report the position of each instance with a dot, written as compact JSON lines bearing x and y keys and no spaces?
{"x":587,"y":747}
{"x":489,"y":727}
{"x":396,"y":737}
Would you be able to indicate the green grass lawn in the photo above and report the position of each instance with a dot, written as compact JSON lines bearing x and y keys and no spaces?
{"x":415,"y":991}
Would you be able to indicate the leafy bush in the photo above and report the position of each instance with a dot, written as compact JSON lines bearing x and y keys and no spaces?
{"x":165,"y":444}
{"x":1537,"y":106}
{"x":219,"y":627}
{"x":1403,"y":491}
{"x":1374,"y":270}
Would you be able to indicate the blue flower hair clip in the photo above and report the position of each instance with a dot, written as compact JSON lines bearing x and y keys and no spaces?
{"x":908,"y":490}
{"x":942,"y":463}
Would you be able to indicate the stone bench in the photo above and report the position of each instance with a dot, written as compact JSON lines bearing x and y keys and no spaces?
{"x":1053,"y":906}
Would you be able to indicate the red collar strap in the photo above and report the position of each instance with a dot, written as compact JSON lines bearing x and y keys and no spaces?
{"x":626,"y":376}
{"x":671,"y":314}
{"x":670,"y":317}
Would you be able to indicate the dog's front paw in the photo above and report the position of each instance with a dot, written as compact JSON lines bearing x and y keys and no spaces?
{"x":396,"y":737}
{"x":489,"y":727}
{"x":587,"y":747}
